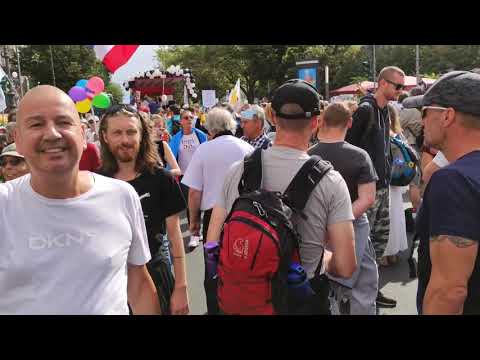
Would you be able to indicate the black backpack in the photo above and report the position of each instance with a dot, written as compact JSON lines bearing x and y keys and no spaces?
{"x":259,"y":241}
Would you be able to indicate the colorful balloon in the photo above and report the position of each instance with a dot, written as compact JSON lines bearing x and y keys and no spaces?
{"x":77,"y":93}
{"x":96,"y":85}
{"x":90,"y":95}
{"x":83,"y":106}
{"x":101,"y":101}
{"x":82,"y":83}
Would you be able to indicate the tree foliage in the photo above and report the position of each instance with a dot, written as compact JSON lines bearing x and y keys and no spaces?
{"x":71,"y":63}
{"x":116,"y":91}
{"x":261,"y":68}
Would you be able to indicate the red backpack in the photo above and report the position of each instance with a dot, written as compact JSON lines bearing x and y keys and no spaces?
{"x":259,"y":241}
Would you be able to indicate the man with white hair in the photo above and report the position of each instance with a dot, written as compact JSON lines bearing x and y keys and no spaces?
{"x":206,"y":174}
{"x":253,"y":124}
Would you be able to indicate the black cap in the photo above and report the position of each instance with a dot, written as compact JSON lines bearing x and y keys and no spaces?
{"x":298,"y":92}
{"x":457,"y":89}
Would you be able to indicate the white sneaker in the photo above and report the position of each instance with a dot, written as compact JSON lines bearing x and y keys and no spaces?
{"x":194,"y":241}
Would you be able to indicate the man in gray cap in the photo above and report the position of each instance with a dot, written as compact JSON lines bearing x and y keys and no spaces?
{"x":449,"y":268}
{"x":12,"y":164}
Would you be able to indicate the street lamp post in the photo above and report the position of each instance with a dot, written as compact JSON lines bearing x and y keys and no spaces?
{"x":19,"y":71}
{"x":417,"y":63}
{"x":53,"y":69}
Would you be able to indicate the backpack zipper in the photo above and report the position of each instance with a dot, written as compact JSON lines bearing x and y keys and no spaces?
{"x":258,"y":227}
{"x":256,"y":252}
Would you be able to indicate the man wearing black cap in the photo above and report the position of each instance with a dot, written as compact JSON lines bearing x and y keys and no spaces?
{"x":449,"y":268}
{"x":371,"y":131}
{"x":328,"y":222}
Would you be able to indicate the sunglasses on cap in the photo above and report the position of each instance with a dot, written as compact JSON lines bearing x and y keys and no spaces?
{"x":397,"y":86}
{"x":248,"y":114}
{"x":112,"y":110}
{"x":425,"y":108}
{"x":15,"y":161}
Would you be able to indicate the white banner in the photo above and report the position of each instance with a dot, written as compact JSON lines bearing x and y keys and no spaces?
{"x":209,"y":98}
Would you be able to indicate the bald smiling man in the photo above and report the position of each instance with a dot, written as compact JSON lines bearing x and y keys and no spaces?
{"x":71,"y":242}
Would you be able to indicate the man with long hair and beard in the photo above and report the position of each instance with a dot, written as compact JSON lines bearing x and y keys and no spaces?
{"x":129,"y":154}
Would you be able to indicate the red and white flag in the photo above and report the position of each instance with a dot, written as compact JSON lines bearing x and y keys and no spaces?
{"x":114,"y":56}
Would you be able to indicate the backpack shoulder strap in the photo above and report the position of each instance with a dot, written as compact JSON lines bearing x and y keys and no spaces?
{"x":307,"y":178}
{"x":252,"y":172}
{"x":266,"y":144}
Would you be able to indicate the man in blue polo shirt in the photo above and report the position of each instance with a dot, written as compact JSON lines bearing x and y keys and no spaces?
{"x":448,"y":220}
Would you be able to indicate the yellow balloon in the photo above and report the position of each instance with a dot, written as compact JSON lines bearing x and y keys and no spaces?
{"x":84,"y":106}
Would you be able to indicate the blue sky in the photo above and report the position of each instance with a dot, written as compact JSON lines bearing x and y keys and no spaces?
{"x":143,"y":60}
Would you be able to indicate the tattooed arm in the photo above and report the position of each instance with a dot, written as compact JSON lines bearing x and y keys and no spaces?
{"x":453,"y":260}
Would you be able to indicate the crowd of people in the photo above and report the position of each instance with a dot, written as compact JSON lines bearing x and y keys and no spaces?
{"x":90,"y":208}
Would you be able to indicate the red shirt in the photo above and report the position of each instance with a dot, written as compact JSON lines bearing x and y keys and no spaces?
{"x":90,"y":158}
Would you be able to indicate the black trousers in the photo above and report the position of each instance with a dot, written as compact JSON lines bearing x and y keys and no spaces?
{"x":162,"y":276}
{"x":210,"y":285}
{"x":184,"y":189}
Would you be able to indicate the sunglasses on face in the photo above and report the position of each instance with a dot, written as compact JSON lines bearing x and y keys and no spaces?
{"x":187,"y":118}
{"x":14,"y":162}
{"x":397,"y":86}
{"x":116,"y":108}
{"x":425,"y":108}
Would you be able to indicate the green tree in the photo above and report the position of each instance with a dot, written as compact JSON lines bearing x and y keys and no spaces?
{"x":116,"y":91}
{"x":261,"y":68}
{"x":71,"y":63}
{"x":219,"y":66}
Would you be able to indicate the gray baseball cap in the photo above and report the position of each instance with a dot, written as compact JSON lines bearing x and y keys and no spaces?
{"x":457,"y":89}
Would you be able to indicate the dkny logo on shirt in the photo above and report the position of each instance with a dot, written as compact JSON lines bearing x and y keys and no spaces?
{"x":48,"y":241}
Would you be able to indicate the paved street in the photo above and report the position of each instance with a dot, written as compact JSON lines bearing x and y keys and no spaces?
{"x":395,"y":282}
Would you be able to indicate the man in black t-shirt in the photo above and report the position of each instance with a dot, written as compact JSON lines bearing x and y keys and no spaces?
{"x":130,"y":154}
{"x":448,"y":219}
{"x":356,"y":295}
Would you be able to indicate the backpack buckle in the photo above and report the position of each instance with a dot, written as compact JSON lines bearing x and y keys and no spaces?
{"x":259,"y":208}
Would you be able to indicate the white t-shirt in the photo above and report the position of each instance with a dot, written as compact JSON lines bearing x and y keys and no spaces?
{"x":440,"y":160}
{"x":188,"y":145}
{"x":69,"y":256}
{"x":209,"y":165}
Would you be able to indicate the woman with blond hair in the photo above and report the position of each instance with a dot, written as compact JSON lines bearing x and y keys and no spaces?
{"x":161,"y":138}
{"x":397,"y":239}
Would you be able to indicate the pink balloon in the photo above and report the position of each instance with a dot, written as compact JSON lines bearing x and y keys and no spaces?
{"x":96,"y":85}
